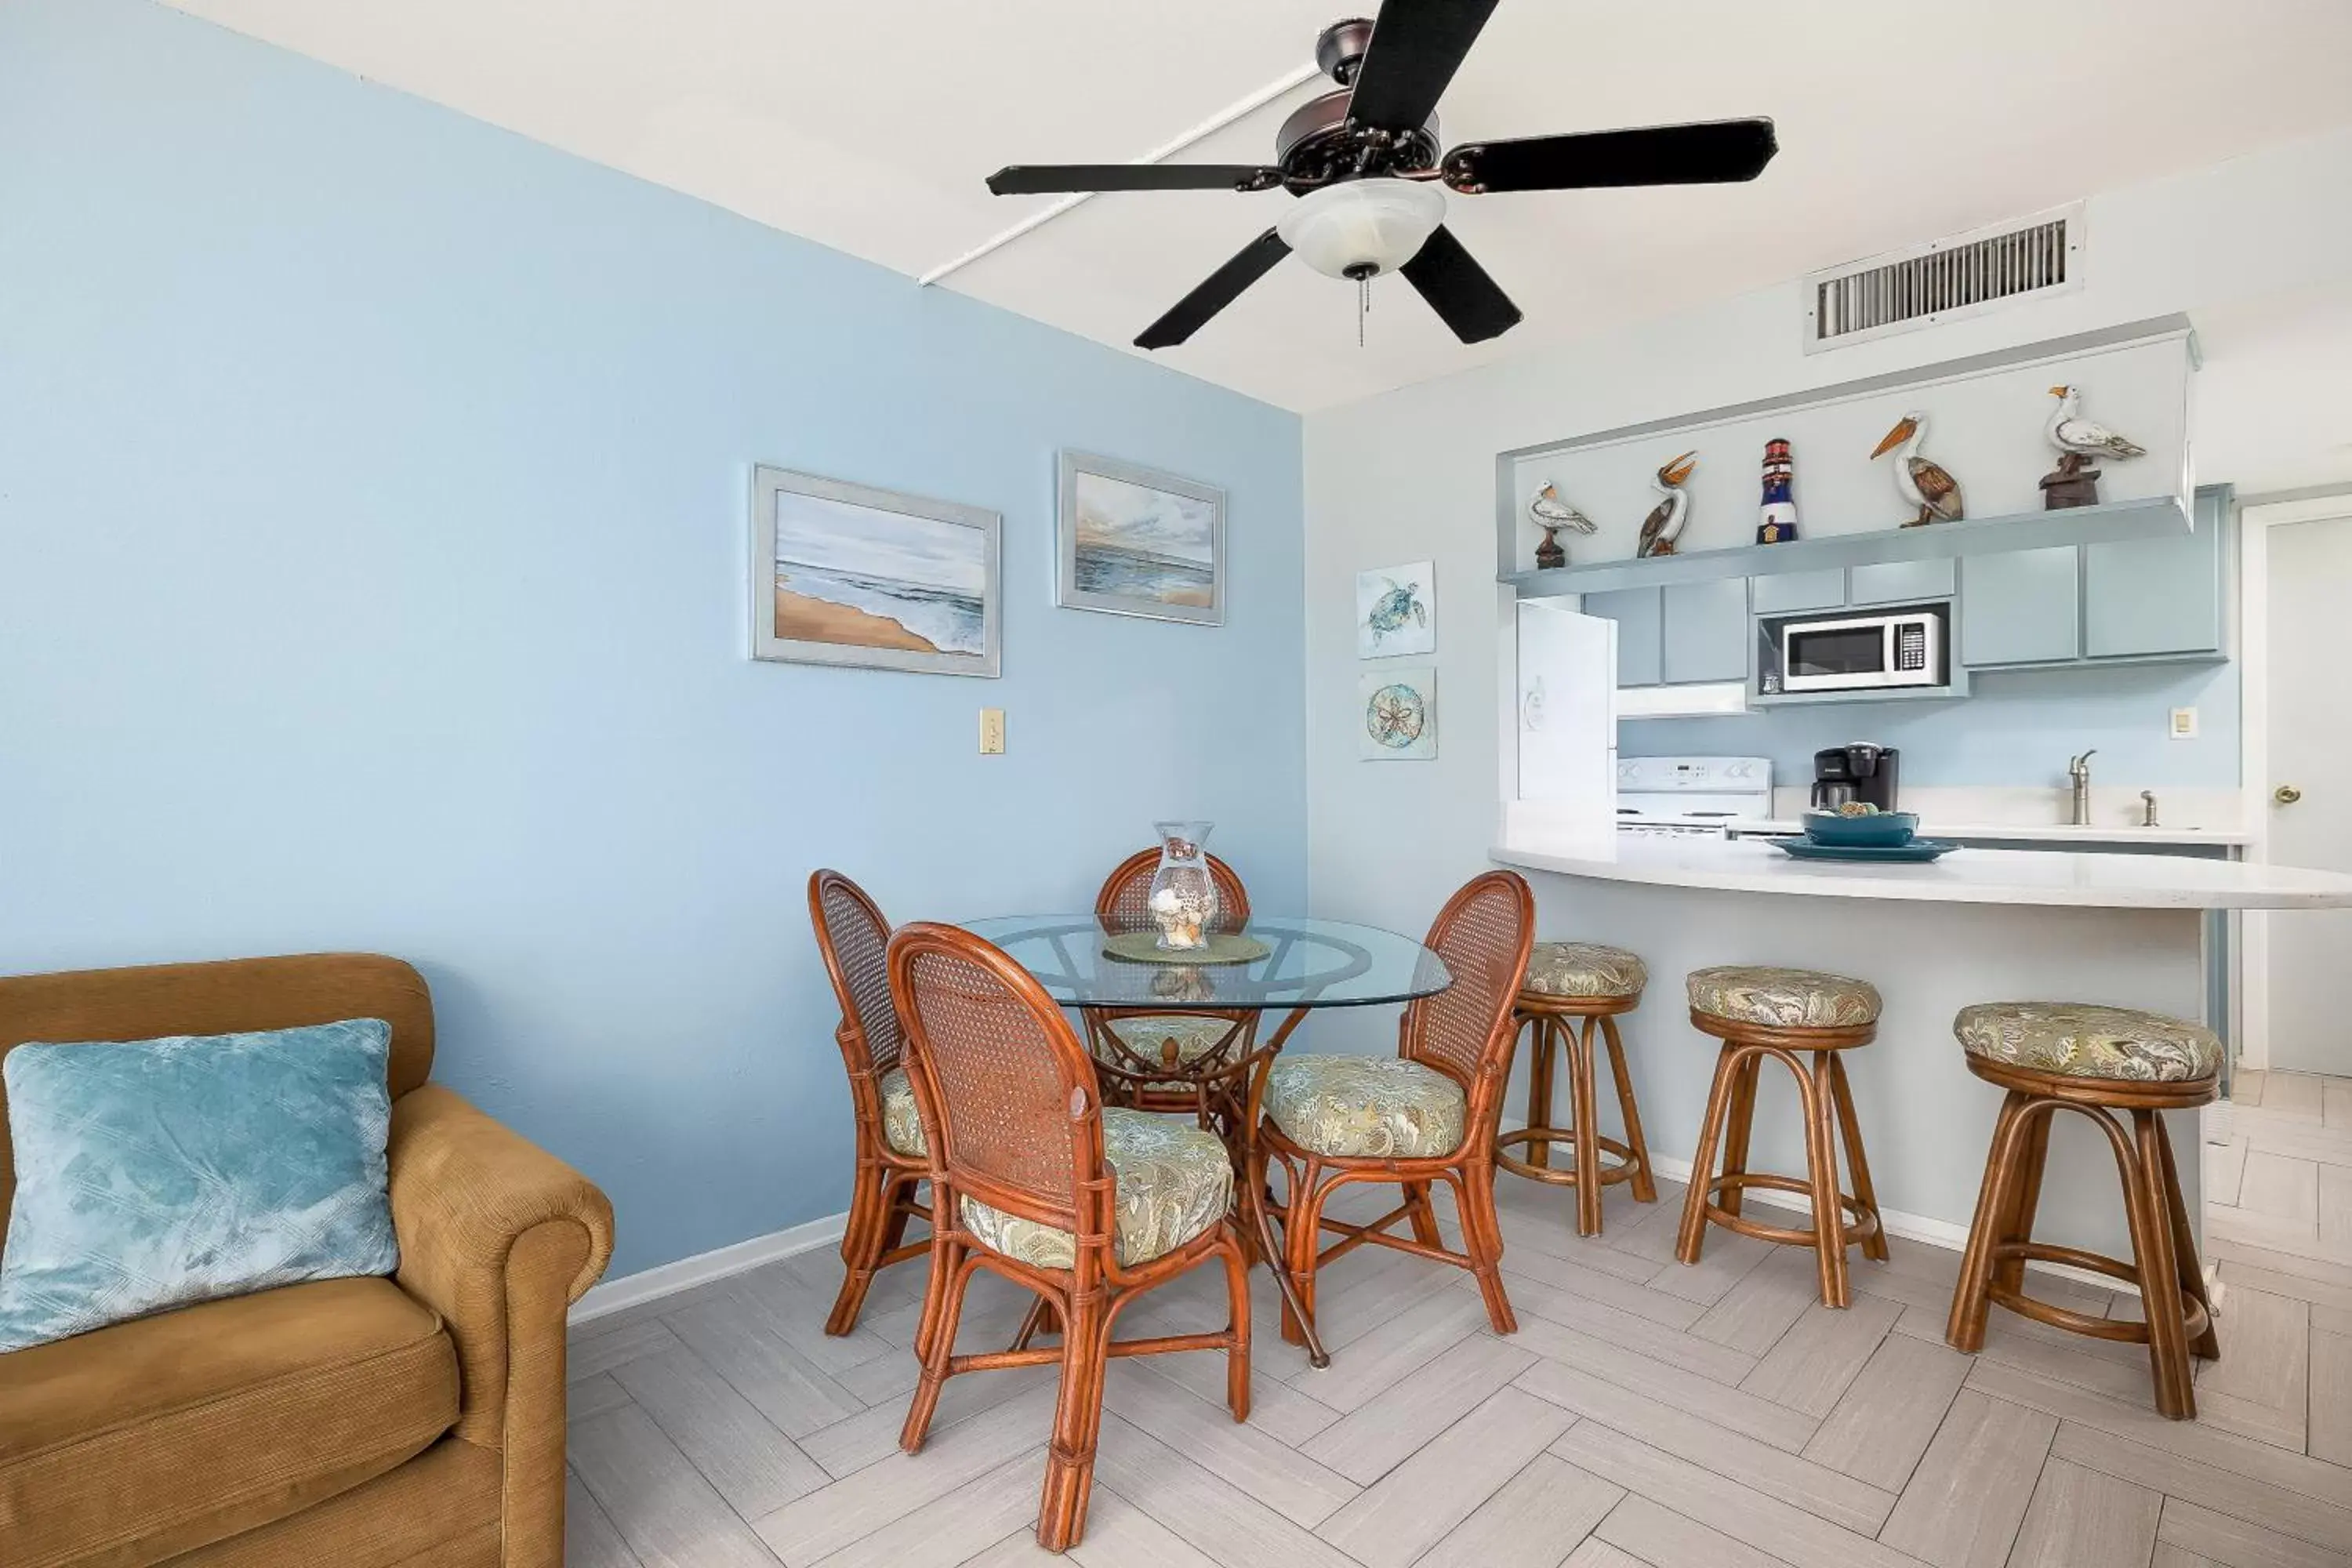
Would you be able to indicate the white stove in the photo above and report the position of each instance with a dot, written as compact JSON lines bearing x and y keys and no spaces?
{"x":1697,"y":797}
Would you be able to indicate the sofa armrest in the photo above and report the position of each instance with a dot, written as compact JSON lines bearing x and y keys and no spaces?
{"x":499,"y":1236}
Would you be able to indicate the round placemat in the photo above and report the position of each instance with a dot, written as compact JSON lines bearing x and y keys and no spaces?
{"x":1224,"y":947}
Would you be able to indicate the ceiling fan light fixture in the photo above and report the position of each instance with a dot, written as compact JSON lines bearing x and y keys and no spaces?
{"x":1363,"y":227}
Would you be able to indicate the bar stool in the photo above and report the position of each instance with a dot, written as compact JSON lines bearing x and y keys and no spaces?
{"x":1761,"y":1012}
{"x":2099,"y":1061}
{"x":1568,"y":981}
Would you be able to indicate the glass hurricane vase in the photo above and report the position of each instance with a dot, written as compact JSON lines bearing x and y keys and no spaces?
{"x":1183,"y":900}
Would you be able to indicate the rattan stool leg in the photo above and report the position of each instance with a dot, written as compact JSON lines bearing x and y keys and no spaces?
{"x":1819,"y":1095}
{"x":2024,"y":1199}
{"x":1539,"y":1087}
{"x":1646,"y":1190}
{"x":2206,"y":1345}
{"x":1965,"y":1327}
{"x":1865,"y":1195}
{"x":1737,"y":1128}
{"x":1587,"y":1127}
{"x":1692,"y":1236}
{"x":2150,"y":1213}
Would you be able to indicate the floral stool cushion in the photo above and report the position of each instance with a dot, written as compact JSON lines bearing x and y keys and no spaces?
{"x":902,"y":1124}
{"x":1147,"y":1035}
{"x":1174,"y":1182}
{"x":1365,"y":1107}
{"x":1584,"y":969}
{"x":2080,"y":1040}
{"x":1783,"y":998}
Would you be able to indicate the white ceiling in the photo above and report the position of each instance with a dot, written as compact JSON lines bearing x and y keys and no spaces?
{"x":869,"y":126}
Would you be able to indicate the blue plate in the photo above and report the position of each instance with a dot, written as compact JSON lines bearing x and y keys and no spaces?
{"x":1878,"y":827}
{"x":1918,"y":849}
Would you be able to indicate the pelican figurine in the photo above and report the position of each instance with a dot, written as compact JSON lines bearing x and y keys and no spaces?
{"x":1664,"y":525}
{"x":1922,"y":483}
{"x":1551,"y":514}
{"x":2078,"y":439}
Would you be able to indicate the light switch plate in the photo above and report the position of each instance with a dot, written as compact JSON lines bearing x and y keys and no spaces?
{"x":2184,"y":724}
{"x":991,"y":731}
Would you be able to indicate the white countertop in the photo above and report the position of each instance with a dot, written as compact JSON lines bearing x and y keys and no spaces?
{"x":2040,"y":833}
{"x":1966,"y":876}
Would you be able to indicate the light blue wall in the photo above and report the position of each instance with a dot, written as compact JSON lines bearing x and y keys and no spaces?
{"x":372,"y":576}
{"x":2014,"y":728}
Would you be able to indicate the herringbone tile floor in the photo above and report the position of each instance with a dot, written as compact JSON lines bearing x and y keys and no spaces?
{"x":1645,"y":1413}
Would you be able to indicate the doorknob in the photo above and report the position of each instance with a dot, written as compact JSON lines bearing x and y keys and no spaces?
{"x":2287,"y":794}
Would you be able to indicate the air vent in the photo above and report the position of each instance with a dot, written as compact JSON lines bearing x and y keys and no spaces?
{"x":1945,"y":280}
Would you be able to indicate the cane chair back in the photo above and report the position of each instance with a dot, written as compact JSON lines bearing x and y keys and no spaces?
{"x":1124,"y":903}
{"x":854,"y":941}
{"x":1010,"y":1099}
{"x":1483,"y":934}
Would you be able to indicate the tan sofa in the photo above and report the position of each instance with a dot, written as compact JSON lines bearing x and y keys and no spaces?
{"x":347,"y":1423}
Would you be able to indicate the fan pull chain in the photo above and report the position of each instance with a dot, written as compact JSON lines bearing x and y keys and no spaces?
{"x":1363,"y":307}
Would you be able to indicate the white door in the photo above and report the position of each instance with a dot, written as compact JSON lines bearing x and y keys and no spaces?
{"x":2311,"y":780}
{"x":1566,"y":726}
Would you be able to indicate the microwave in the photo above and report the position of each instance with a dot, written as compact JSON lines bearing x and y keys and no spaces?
{"x":1864,"y":653}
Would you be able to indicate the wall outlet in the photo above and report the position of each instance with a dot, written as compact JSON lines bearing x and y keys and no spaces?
{"x":2184,"y":724}
{"x":991,"y":731}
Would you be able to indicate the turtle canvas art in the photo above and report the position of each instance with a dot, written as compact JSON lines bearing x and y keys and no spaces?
{"x":1396,"y":610}
{"x":1400,"y":714}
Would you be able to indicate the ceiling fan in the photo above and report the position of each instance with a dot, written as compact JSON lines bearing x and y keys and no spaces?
{"x":1364,"y":162}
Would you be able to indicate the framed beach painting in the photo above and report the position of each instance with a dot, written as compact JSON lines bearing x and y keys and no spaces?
{"x":1396,"y":610}
{"x":1400,"y":714}
{"x":1136,"y":542}
{"x":845,"y":574}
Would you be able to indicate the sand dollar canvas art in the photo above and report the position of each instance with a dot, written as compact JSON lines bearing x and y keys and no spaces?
{"x":1399,"y":714}
{"x":1136,"y":542}
{"x":845,"y":574}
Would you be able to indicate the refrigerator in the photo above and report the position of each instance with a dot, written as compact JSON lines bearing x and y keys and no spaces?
{"x":1560,"y":779}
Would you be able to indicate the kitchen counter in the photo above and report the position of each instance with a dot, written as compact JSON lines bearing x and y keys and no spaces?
{"x":2040,"y":833}
{"x":1979,"y":925}
{"x":2069,"y":877}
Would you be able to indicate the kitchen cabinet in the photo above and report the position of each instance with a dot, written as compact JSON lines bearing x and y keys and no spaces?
{"x":1636,"y":612}
{"x":2022,"y":606}
{"x":1823,"y":590}
{"x":2153,"y":597}
{"x":1900,"y":581}
{"x":1704,"y":631}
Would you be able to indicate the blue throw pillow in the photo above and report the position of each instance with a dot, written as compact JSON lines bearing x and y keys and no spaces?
{"x":155,"y":1174}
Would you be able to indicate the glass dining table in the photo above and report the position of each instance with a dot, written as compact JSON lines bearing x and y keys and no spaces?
{"x":1307,"y":964}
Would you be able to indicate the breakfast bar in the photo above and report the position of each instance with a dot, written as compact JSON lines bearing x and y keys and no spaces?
{"x":1978,"y":925}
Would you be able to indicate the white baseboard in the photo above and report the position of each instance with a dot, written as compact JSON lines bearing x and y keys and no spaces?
{"x":669,"y":1278}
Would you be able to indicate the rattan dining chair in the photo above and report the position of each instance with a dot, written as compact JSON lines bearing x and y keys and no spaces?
{"x":1035,"y":1179}
{"x":1127,"y":1042}
{"x":892,"y":1160}
{"x":1427,"y":1114}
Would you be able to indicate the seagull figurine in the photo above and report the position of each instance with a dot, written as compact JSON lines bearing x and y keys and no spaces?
{"x":2080,"y":439}
{"x":1551,"y":514}
{"x":1924,"y":484}
{"x":1664,"y":525}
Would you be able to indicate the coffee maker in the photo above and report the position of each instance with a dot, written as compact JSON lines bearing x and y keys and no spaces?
{"x":1859,"y":769}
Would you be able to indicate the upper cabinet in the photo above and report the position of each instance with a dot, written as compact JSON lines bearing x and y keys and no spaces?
{"x":2160,"y":597}
{"x":2146,"y":600}
{"x":1703,"y":630}
{"x":1640,"y":655}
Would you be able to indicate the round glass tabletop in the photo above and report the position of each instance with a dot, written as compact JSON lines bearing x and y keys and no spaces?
{"x":1312,"y":963}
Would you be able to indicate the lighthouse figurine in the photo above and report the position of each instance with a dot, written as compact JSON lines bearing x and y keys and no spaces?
{"x":1777,"y":521}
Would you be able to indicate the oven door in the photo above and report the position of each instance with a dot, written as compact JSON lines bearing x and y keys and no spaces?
{"x":1856,"y":654}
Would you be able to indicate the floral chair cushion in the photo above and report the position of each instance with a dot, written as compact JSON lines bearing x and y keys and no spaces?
{"x":1584,"y":969}
{"x":1365,"y":1107}
{"x":1174,"y":1182}
{"x":1146,"y":1036}
{"x":2080,"y":1040}
{"x":902,"y":1124}
{"x":1783,"y":998}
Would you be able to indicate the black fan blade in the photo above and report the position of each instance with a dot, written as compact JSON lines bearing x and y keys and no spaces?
{"x":1216,"y":291}
{"x":1459,"y":290}
{"x":1708,"y":152}
{"x":1038,"y":179}
{"x":1416,"y":48}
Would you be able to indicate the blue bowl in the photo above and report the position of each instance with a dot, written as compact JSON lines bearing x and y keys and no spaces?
{"x":1881,"y":829}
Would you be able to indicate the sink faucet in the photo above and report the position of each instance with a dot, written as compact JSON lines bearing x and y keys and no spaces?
{"x":2079,"y":770}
